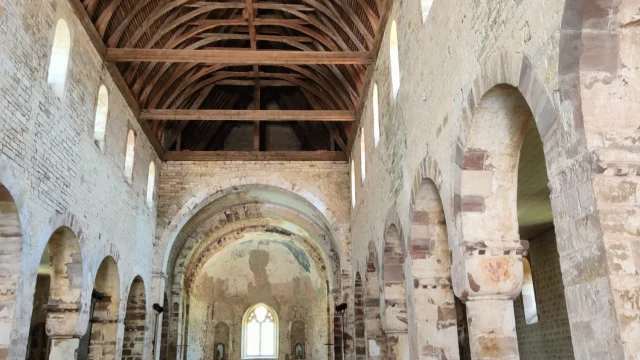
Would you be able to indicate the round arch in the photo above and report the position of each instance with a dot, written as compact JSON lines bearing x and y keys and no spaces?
{"x":208,"y":194}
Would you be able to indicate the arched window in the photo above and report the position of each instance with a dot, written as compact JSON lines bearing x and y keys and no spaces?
{"x":529,"y":295}
{"x":394,"y":61}
{"x":426,"y":7}
{"x":260,"y":333}
{"x":102,"y":111}
{"x":128,"y":158}
{"x":376,"y":115}
{"x":59,"y":58}
{"x":353,"y":184}
{"x":151,"y":183}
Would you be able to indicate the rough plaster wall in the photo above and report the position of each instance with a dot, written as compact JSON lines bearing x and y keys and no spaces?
{"x":550,"y":338}
{"x":255,"y":272}
{"x":51,"y":165}
{"x":439,"y":61}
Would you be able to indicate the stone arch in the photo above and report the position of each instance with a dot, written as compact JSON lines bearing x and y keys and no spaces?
{"x":11,"y":258}
{"x":358,"y":309}
{"x":103,"y":325}
{"x":135,"y":321}
{"x":376,"y":340}
{"x":239,"y":209}
{"x":515,"y":75}
{"x":433,"y":298}
{"x":206,"y":194}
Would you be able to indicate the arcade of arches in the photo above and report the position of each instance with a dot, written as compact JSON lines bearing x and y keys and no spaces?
{"x":318,"y":179}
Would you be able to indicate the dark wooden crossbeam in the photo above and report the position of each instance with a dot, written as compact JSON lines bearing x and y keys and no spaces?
{"x":248,"y":115}
{"x":255,"y":156}
{"x":239,"y":57}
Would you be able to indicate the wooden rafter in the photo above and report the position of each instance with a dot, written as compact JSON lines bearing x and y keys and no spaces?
{"x":182,"y":61}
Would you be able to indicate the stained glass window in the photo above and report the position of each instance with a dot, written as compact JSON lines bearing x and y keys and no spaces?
{"x":260,"y":328}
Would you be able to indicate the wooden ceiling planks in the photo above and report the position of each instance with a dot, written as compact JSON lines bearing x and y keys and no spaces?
{"x":189,"y":56}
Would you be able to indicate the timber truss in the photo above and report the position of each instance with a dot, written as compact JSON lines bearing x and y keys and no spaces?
{"x":194,"y":70}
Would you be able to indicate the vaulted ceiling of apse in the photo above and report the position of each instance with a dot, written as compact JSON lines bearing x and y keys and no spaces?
{"x":197,"y":70}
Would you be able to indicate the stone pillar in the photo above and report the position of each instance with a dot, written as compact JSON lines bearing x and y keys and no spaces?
{"x":488,"y":279}
{"x":64,"y":348}
{"x":492,"y":329}
{"x":398,"y":345}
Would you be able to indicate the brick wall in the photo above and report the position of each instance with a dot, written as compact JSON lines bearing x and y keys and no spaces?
{"x":51,"y":165}
{"x":550,"y":338}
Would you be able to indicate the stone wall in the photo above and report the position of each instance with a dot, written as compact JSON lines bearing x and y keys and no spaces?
{"x":55,"y":172}
{"x":550,"y":338}
{"x":447,"y":63}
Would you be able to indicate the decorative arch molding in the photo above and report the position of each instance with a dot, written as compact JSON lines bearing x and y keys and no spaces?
{"x":194,"y":201}
{"x":250,"y":213}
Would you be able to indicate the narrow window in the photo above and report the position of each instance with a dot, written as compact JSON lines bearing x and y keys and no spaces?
{"x":102,"y":112}
{"x":529,"y":295}
{"x":376,"y":115}
{"x":59,"y":64}
{"x":260,"y":333}
{"x":353,"y":184}
{"x":426,"y":7}
{"x":394,"y":62}
{"x":128,"y":158}
{"x":151,"y":183}
{"x":363,"y":157}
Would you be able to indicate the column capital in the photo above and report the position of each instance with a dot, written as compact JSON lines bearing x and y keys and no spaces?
{"x":481,"y":272}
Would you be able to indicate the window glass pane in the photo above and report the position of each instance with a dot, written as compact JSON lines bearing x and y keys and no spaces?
{"x":261,"y":313}
{"x":253,"y":339}
{"x":267,"y":339}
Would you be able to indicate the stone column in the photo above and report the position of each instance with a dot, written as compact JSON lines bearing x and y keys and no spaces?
{"x":488,"y":279}
{"x":64,"y":348}
{"x":398,"y":345}
{"x":492,"y":329}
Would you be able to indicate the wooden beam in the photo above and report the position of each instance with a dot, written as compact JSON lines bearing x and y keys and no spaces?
{"x":239,"y":57}
{"x":255,"y":156}
{"x":247,"y":115}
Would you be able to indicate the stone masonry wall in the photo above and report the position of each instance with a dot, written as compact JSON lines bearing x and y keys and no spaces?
{"x":550,"y":338}
{"x":446,"y":64}
{"x":53,"y":169}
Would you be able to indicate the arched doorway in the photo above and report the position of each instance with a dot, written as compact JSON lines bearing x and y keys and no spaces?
{"x":57,"y":296}
{"x":376,"y":339}
{"x":10,"y":258}
{"x":437,"y":324}
{"x":135,"y":321}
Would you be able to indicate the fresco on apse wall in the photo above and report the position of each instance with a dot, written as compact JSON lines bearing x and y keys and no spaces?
{"x":276,"y":273}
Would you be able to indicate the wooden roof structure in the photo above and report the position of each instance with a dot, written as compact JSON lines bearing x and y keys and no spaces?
{"x":194,"y":70}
